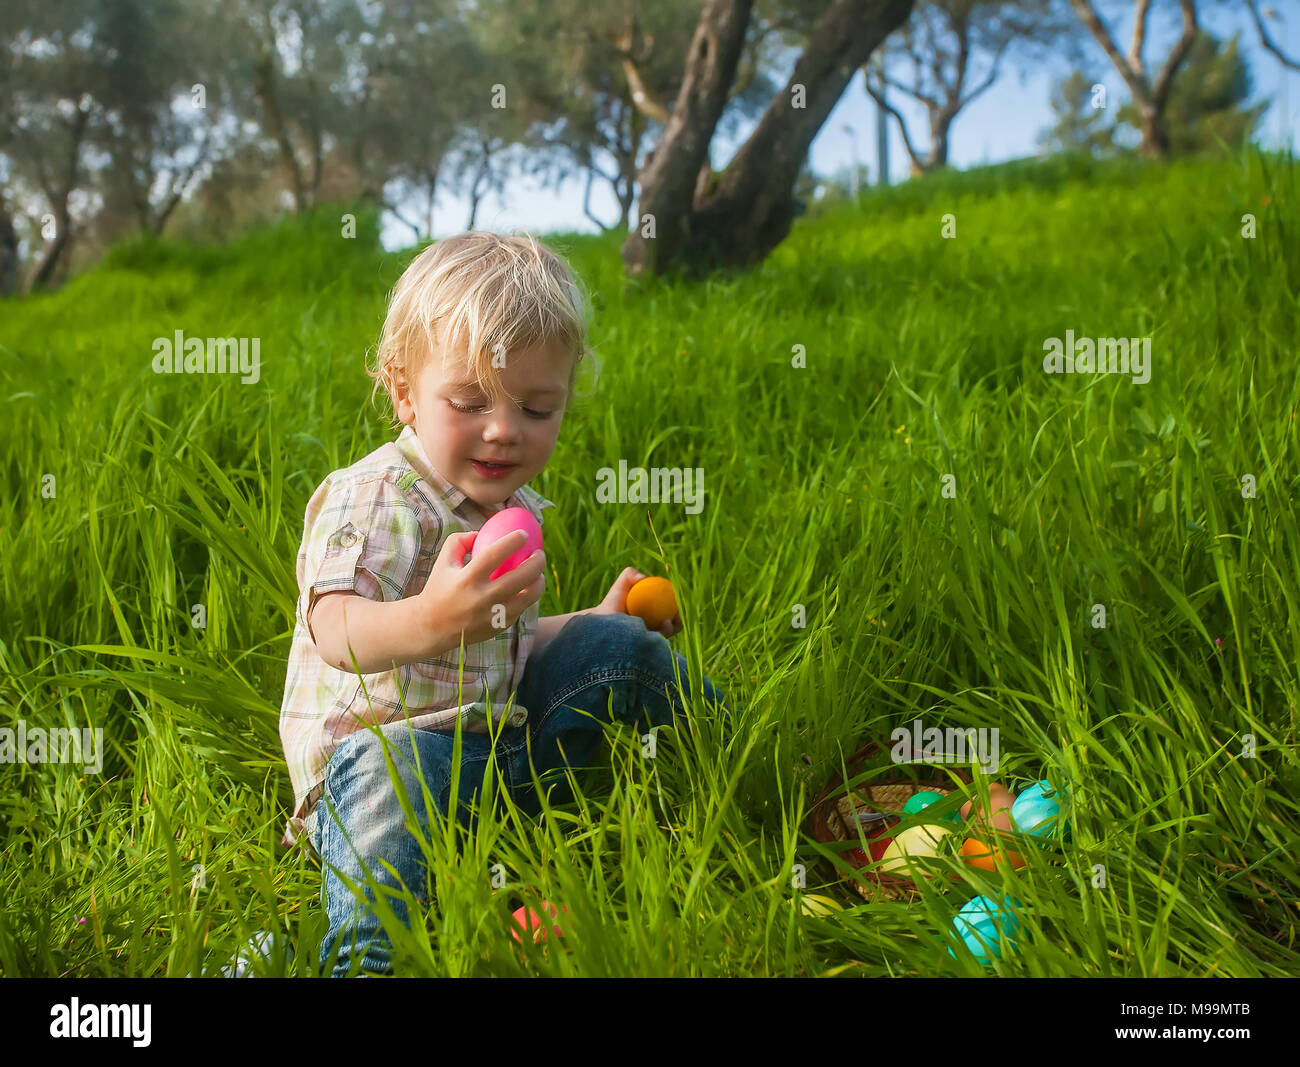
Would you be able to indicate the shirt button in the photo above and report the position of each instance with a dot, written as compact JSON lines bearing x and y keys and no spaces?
{"x":348,"y":540}
{"x":517,"y":717}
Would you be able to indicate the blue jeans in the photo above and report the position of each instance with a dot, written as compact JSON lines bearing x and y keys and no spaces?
{"x":594,"y":658}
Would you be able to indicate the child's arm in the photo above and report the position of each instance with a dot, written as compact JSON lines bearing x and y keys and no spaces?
{"x":383,"y":634}
{"x":456,"y":602}
{"x":615,"y":603}
{"x":549,"y":627}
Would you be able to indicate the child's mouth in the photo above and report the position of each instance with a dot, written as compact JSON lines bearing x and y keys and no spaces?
{"x":492,"y":470}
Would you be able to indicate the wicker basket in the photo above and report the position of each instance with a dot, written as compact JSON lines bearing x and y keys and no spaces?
{"x":831,"y":818}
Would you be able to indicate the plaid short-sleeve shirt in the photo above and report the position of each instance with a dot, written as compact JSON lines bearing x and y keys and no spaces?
{"x":375,"y":529}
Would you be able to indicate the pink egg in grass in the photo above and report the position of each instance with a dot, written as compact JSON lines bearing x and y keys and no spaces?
{"x":504,"y":523}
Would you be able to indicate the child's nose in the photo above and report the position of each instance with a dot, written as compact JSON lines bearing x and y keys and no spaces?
{"x":502,"y":425}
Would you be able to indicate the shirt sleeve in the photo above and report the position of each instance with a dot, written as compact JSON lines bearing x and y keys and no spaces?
{"x":363,"y":537}
{"x":534,"y":503}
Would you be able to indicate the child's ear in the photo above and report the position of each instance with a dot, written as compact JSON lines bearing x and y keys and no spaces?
{"x":400,"y":391}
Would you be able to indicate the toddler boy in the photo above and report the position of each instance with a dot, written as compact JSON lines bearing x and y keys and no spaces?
{"x":479,"y":355}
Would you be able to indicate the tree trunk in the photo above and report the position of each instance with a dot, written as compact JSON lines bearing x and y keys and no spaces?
{"x":938,"y":145}
{"x":44,"y":272}
{"x":1155,"y":135}
{"x":317,"y":139}
{"x":668,"y":178}
{"x":432,"y":176}
{"x":54,"y":250}
{"x":265,"y":89}
{"x":179,"y":185}
{"x":626,"y":193}
{"x":165,"y":213}
{"x":625,"y":185}
{"x":1150,"y":100}
{"x":474,"y":194}
{"x":8,"y":252}
{"x":704,"y":221}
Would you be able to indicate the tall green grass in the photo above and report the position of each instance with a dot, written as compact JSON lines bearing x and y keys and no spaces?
{"x":824,"y":489}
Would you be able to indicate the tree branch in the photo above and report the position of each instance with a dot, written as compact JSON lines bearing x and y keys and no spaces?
{"x":992,"y":77}
{"x":961,"y":29}
{"x":935,"y":52}
{"x":586,"y":202}
{"x":646,"y":101}
{"x":916,"y":94}
{"x":649,"y":104}
{"x":591,"y":166}
{"x":392,"y":209}
{"x":1139,"y":35}
{"x":902,"y":126}
{"x":178,"y":188}
{"x":1135,"y":79}
{"x":1267,"y":41}
{"x":34,"y":150}
{"x":264,"y":87}
{"x":1177,"y":56}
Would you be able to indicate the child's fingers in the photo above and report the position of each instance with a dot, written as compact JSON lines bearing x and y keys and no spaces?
{"x":616,"y":598}
{"x":490,"y":558}
{"x":524,"y":579}
{"x":459,"y":546}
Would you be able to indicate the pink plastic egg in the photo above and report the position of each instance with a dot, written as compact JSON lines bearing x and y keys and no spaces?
{"x":501,"y":525}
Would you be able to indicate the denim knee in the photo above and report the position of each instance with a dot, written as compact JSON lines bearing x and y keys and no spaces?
{"x":361,"y":771}
{"x":625,"y":635}
{"x":626,"y":642}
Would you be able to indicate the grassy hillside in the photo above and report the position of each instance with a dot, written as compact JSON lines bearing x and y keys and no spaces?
{"x":966,"y":601}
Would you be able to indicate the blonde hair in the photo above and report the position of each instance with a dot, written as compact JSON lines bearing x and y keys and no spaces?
{"x":481,"y":293}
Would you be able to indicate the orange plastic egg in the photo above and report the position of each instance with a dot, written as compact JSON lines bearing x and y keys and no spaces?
{"x":653,"y":601}
{"x":526,"y":921}
{"x":986,"y":856}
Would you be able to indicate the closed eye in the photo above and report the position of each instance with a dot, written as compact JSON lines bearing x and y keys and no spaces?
{"x":479,"y":407}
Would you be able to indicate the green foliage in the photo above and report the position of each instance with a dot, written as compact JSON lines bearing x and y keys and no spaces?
{"x":924,"y":359}
{"x":1206,"y":111}
{"x":944,"y":187}
{"x":1079,"y":126}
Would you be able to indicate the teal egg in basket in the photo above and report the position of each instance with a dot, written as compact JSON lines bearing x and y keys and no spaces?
{"x":981,"y":921}
{"x":1037,"y":812}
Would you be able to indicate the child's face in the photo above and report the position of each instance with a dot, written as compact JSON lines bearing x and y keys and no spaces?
{"x":522,"y":433}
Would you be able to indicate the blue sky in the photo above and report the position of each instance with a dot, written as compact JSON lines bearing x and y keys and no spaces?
{"x":1001,"y":124}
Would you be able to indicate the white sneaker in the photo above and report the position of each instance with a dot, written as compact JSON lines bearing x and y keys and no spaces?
{"x":262,"y":945}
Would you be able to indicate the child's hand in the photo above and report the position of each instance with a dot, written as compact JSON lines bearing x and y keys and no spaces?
{"x":460,"y":599}
{"x":615,"y":602}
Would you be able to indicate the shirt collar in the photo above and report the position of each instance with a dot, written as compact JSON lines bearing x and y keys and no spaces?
{"x":408,"y":444}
